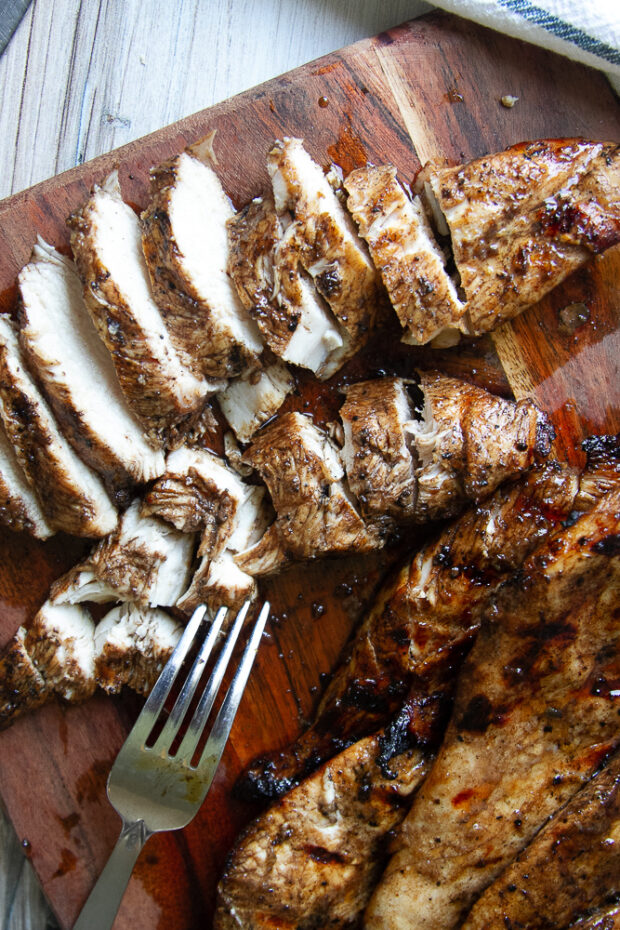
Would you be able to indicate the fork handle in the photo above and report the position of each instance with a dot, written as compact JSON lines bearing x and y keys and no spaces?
{"x":104,"y":900}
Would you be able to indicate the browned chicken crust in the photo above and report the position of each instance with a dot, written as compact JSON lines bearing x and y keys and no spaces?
{"x":22,"y":687}
{"x":422,"y":623}
{"x":524,"y":219}
{"x":535,"y":715}
{"x":569,"y":868}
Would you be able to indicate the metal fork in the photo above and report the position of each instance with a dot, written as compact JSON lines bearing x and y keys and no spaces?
{"x":149,"y":788}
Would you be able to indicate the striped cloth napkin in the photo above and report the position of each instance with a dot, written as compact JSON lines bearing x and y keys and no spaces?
{"x":586,"y":30}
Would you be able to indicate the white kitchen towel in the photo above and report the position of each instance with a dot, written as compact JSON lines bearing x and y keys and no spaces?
{"x":587,"y":30}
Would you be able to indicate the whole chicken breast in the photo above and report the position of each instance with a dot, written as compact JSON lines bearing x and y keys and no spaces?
{"x":536,"y":712}
{"x":522,"y":220}
{"x":571,"y":867}
{"x":313,"y":858}
{"x":72,"y":497}
{"x":331,"y":250}
{"x":107,"y":244}
{"x":265,"y":265}
{"x":62,"y":346}
{"x":403,"y":248}
{"x":186,"y":249}
{"x":19,"y":505}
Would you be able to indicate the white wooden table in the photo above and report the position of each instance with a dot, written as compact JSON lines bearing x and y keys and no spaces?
{"x":81,"y":77}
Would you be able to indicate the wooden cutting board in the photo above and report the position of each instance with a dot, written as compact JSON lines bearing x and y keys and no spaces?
{"x":429,"y":88}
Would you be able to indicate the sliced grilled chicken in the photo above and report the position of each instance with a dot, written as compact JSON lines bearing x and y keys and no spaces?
{"x":313,"y":859}
{"x":132,"y":644}
{"x":522,"y":220}
{"x":404,"y":250}
{"x":76,"y":370}
{"x":145,"y":560}
{"x":314,"y":512}
{"x":536,"y":712}
{"x":264,"y":263}
{"x":60,"y":642}
{"x":72,"y":496}
{"x":255,"y":397}
{"x":186,"y":248}
{"x":423,"y":622}
{"x":22,"y":687}
{"x":107,"y":244}
{"x":19,"y":506}
{"x":571,"y":867}
{"x":377,"y":455}
{"x":468,"y":441}
{"x":331,"y":250}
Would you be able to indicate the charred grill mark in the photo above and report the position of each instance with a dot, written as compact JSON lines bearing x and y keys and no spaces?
{"x":480,"y":714}
{"x":324,"y":856}
{"x":609,"y":546}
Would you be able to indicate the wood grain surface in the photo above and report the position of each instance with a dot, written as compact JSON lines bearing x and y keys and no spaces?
{"x":430,"y":88}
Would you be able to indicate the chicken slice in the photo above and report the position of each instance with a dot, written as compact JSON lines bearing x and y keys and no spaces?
{"x":145,"y":560}
{"x":72,"y":496}
{"x":19,"y":505}
{"x":107,"y":243}
{"x":22,"y":687}
{"x":315,"y":515}
{"x":404,"y":250}
{"x":522,"y":220}
{"x":536,"y":712}
{"x":313,"y":859}
{"x":377,"y":456}
{"x":468,"y":441}
{"x":264,"y":263}
{"x":569,"y":868}
{"x":255,"y":397}
{"x":60,"y":641}
{"x":63,"y":348}
{"x":132,"y":644}
{"x":186,"y":248}
{"x":422,"y":622}
{"x":331,"y":250}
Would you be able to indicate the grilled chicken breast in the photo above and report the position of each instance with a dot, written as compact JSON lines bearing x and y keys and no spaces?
{"x":536,"y":711}
{"x":19,"y":506}
{"x":72,"y":496}
{"x":403,"y":248}
{"x":76,"y":370}
{"x":422,"y":623}
{"x":107,"y":244}
{"x":377,"y":455}
{"x":522,"y":220}
{"x":468,"y":441}
{"x":255,"y":397}
{"x":145,"y":560}
{"x":313,"y":858}
{"x":314,"y":513}
{"x":331,"y":250}
{"x":264,"y":263}
{"x":571,"y":867}
{"x":186,"y":249}
{"x":131,"y":645}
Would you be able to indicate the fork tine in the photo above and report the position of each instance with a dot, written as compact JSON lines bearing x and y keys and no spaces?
{"x":207,"y":700}
{"x":218,"y":737}
{"x":157,"y":698}
{"x":184,"y":699}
